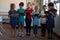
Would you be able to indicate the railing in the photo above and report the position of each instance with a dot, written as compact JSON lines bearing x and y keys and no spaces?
{"x":6,"y":19}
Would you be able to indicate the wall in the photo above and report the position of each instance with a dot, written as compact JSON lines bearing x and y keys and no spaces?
{"x":5,"y":4}
{"x":57,"y":25}
{"x":30,"y":0}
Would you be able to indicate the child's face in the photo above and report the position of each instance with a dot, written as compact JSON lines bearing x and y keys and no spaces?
{"x":44,"y":8}
{"x":36,"y":9}
{"x":28,"y":5}
{"x":50,"y":7}
{"x":13,"y":7}
{"x":21,"y":6}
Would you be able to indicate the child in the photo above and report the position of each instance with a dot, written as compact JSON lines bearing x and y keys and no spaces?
{"x":51,"y":15}
{"x":13,"y":19}
{"x":21,"y":11}
{"x":35,"y":20}
{"x":43,"y":21}
{"x":28,"y":19}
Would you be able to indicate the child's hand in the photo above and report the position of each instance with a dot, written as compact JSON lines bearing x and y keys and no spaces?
{"x":43,"y":16}
{"x":50,"y":12}
{"x":12,"y":14}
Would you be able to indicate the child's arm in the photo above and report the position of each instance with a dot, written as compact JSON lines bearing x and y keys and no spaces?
{"x":32,"y":15}
{"x":9,"y":14}
{"x":54,"y":14}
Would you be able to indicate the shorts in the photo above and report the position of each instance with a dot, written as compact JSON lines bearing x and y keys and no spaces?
{"x":21,"y":24}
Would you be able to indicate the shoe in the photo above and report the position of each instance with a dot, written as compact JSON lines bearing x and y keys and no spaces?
{"x":19,"y":34}
{"x":27,"y":34}
{"x":50,"y":38}
{"x":43,"y":35}
{"x":22,"y":34}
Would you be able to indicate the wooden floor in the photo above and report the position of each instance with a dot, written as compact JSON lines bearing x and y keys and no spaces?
{"x":6,"y":36}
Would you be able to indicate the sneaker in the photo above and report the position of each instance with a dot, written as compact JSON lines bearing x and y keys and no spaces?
{"x":22,"y":34}
{"x":19,"y":34}
{"x":43,"y":35}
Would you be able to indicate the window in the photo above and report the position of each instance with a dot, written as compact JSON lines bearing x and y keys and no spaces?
{"x":45,"y":2}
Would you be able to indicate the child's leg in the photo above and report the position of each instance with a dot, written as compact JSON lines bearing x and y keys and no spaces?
{"x":14,"y":31}
{"x":11,"y":29}
{"x":22,"y":27}
{"x":29,"y":24}
{"x":19,"y":30}
{"x":50,"y":31}
{"x":35,"y":29}
{"x":43,"y":29}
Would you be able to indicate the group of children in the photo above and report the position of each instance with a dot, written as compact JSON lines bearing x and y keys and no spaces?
{"x":46,"y":18}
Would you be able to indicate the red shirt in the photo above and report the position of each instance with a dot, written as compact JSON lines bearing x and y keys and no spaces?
{"x":28,"y":13}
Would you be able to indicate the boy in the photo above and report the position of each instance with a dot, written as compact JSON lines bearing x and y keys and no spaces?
{"x":50,"y":22}
{"x":43,"y":20}
{"x":21,"y":11}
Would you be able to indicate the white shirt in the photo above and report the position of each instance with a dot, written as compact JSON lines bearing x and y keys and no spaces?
{"x":43,"y":20}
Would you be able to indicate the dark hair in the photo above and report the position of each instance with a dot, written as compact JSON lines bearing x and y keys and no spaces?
{"x":21,"y":4}
{"x":51,"y":4}
{"x":11,"y":5}
{"x":44,"y":5}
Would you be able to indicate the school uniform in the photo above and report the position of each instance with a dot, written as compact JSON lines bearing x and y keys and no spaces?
{"x":35,"y":22}
{"x":13,"y":19}
{"x":51,"y":22}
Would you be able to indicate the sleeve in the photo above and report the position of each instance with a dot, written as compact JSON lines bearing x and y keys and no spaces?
{"x":18,"y":11}
{"x":24,"y":11}
{"x":32,"y":13}
{"x":9,"y":12}
{"x":31,"y":10}
{"x":54,"y":11}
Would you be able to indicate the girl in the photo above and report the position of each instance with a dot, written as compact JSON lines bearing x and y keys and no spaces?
{"x":28,"y":19}
{"x":13,"y":19}
{"x":35,"y":20}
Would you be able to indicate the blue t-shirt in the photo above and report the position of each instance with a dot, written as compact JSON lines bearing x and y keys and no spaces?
{"x":36,"y":18}
{"x":21,"y":14}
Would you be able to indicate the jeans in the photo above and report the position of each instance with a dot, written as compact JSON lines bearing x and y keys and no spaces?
{"x":28,"y":25}
{"x":35,"y":29}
